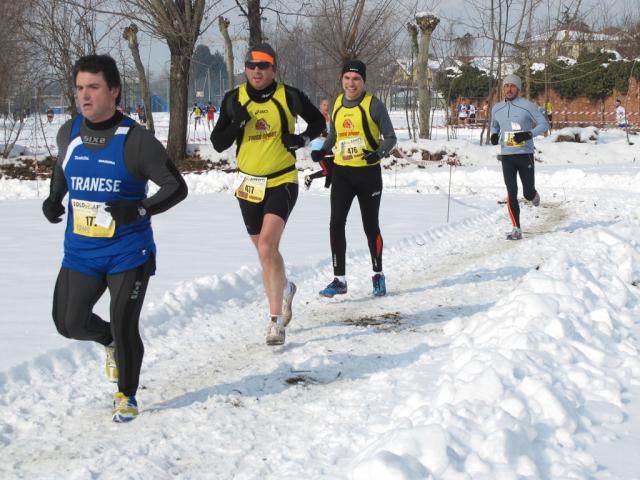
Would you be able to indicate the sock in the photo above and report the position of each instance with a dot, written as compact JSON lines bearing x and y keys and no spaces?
{"x":342,"y":278}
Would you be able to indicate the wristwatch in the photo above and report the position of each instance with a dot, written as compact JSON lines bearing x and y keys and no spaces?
{"x":142,"y":211}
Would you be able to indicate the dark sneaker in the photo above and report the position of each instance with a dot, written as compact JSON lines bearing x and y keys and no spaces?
{"x":516,"y":234}
{"x":125,"y":408}
{"x":334,"y":288}
{"x":536,"y":200}
{"x":379,"y":286}
{"x":307,"y":182}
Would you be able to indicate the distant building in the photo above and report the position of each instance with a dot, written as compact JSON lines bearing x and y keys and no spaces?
{"x":570,"y":43}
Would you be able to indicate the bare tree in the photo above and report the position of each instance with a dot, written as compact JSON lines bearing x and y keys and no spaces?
{"x":223,"y":25}
{"x":427,"y":23}
{"x":251,"y":9}
{"x":131,"y":36}
{"x":62,"y":32}
{"x":179,"y":24}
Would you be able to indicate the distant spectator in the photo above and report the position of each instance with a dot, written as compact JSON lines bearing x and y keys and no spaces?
{"x":463,"y":114}
{"x":197,"y":114}
{"x":548,"y":108}
{"x":50,"y":115}
{"x":621,"y":115}
{"x":471,"y":110}
{"x":211,"y":109}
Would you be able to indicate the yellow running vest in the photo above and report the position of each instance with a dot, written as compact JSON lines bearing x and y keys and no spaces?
{"x":261,"y":152}
{"x":351,"y":136}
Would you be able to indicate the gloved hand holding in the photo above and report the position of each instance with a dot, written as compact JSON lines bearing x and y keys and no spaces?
{"x":317,"y":155}
{"x":53,"y":210}
{"x":495,"y":139}
{"x":240,"y":116}
{"x":370,"y":157}
{"x":292,"y":142}
{"x":125,"y":211}
{"x":520,"y":137}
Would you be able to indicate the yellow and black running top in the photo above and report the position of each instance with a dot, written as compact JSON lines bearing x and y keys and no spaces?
{"x":272,"y":112}
{"x":355,"y":131}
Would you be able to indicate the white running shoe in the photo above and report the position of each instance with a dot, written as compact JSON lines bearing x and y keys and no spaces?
{"x":110,"y":363}
{"x":275,"y":331}
{"x":287,"y":301}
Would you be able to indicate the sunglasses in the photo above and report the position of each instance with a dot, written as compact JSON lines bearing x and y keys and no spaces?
{"x":258,"y":65}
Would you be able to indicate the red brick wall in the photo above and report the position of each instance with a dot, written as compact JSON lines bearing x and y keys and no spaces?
{"x":604,"y":115}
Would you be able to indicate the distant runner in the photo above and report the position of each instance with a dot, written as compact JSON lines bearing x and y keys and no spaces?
{"x":514,"y":123}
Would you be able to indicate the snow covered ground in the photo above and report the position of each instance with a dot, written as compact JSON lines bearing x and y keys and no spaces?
{"x":488,"y":359}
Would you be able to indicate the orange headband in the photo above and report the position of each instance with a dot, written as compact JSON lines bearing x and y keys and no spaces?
{"x":262,"y":57}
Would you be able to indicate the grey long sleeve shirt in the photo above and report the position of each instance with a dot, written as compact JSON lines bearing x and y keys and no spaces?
{"x":517,"y":115}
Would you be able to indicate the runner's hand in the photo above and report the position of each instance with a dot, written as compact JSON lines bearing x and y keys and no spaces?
{"x":292,"y":141}
{"x":125,"y":211}
{"x":53,"y":210}
{"x":495,"y":139}
{"x":520,"y":137}
{"x":240,"y":116}
{"x":370,"y":157}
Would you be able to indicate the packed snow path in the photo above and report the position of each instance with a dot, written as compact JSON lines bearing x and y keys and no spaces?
{"x":218,"y":403}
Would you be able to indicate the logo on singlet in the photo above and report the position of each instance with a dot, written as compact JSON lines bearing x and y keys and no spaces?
{"x":348,"y":124}
{"x":262,"y":124}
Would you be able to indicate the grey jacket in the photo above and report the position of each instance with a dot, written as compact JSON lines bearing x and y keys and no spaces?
{"x":517,"y":115}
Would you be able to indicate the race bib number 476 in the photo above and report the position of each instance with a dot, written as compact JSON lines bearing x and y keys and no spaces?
{"x":351,"y":148}
{"x":91,"y":220}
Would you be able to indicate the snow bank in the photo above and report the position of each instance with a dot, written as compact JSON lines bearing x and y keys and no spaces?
{"x":533,"y":380}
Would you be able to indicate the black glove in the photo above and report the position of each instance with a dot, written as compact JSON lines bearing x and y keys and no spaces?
{"x":125,"y":211}
{"x":240,"y":116}
{"x":370,"y":157}
{"x":53,"y":210}
{"x":292,"y":142}
{"x":520,"y":137}
{"x":317,"y":155}
{"x":495,"y":139}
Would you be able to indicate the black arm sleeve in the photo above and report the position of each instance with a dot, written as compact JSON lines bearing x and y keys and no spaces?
{"x":380,"y":115}
{"x":146,"y":158}
{"x":224,"y":133}
{"x":58,"y":186}
{"x":301,"y":105}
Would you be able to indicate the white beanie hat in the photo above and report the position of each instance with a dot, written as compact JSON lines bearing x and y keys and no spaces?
{"x":514,"y":80}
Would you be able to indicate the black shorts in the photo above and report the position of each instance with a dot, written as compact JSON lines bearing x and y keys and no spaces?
{"x":277,"y":200}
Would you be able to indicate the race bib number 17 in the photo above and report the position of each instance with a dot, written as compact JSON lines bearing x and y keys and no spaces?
{"x":91,"y":220}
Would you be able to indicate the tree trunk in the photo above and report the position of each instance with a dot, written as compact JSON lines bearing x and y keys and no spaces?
{"x":131,"y":36}
{"x":179,"y":75}
{"x":255,"y":22}
{"x":223,"y":24}
{"x":427,"y":25}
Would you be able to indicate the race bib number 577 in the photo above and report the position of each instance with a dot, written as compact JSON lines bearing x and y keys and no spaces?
{"x":91,"y":220}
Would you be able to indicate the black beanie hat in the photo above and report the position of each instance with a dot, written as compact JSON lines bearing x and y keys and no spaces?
{"x":262,"y":52}
{"x":355,"y":66}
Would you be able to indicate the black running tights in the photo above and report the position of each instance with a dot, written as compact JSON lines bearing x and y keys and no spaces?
{"x":348,"y":183}
{"x":512,"y":165}
{"x":74,"y":298}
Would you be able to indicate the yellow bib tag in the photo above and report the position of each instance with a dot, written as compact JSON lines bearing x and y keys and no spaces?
{"x":511,"y":142}
{"x":91,"y":220}
{"x":351,"y":148}
{"x":252,"y":188}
